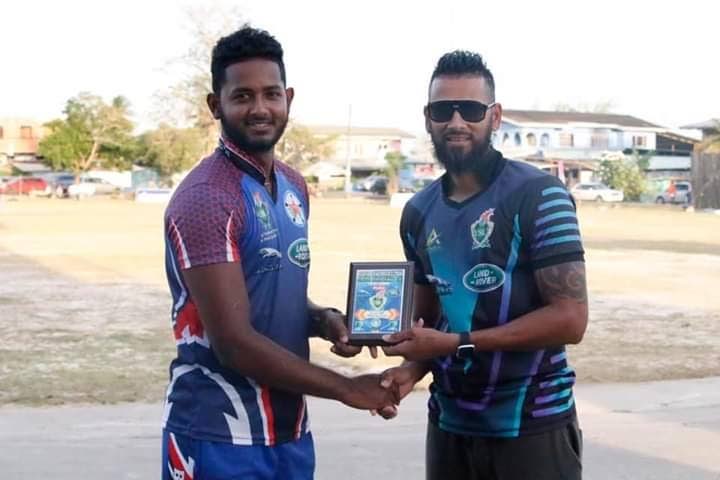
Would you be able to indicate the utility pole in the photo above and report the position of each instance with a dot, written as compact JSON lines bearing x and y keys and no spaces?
{"x":348,"y":169}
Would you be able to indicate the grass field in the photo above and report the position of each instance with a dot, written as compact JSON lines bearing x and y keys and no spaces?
{"x":84,"y":310}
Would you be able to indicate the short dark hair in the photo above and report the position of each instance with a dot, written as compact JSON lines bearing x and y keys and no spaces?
{"x":245,"y":44}
{"x":460,"y":63}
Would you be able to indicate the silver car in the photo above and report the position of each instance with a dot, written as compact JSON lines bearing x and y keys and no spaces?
{"x":596,"y":191}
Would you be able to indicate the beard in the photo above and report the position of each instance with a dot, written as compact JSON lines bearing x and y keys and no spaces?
{"x":458,"y":161}
{"x":243,"y":141}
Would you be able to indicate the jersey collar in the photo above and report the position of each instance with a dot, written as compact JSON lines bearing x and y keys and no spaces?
{"x":493,"y":163}
{"x":242,"y":159}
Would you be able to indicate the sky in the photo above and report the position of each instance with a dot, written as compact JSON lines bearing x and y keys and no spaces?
{"x":368,"y":62}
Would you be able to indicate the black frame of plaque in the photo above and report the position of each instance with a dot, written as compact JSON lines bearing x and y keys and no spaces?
{"x":406,"y":304}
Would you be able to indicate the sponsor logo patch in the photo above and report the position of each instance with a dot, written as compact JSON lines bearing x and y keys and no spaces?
{"x":442,"y":287}
{"x":484,"y":277}
{"x":299,"y":253}
{"x":433,"y":240}
{"x":269,"y":260}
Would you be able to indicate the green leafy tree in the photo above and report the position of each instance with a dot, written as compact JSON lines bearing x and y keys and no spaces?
{"x":92,"y":134}
{"x":395,"y":162}
{"x":625,"y":175}
{"x":171,"y":150}
{"x":299,"y":147}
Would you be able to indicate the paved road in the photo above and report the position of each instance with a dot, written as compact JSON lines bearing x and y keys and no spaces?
{"x":658,"y":431}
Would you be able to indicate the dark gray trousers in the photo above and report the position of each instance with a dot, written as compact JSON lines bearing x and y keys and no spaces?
{"x":553,"y":455}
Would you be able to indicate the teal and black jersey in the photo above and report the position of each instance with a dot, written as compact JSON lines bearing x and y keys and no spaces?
{"x":481,"y":255}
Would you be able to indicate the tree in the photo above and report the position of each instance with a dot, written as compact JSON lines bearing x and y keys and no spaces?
{"x":170,"y":149}
{"x":184,"y":104}
{"x":395,"y":161}
{"x":299,"y":147}
{"x":623,"y":174}
{"x":93,"y":133}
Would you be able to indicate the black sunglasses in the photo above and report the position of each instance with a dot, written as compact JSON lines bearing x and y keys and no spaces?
{"x":470,"y":110}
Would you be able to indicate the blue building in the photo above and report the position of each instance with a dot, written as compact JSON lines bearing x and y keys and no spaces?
{"x":571,"y":144}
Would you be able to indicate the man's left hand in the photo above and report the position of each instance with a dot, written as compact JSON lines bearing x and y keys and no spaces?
{"x":337,"y":334}
{"x":420,"y":343}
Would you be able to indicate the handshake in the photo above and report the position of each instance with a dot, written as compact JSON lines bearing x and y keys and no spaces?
{"x":382,"y":393}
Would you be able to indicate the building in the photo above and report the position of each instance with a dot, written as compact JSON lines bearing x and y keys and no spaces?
{"x":709,"y":128}
{"x":571,"y":144}
{"x":364,"y":147}
{"x":19,"y":141}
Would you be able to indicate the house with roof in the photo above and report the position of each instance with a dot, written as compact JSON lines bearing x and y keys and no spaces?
{"x":364,"y":147}
{"x":19,"y":141}
{"x":571,"y":144}
{"x":709,"y":128}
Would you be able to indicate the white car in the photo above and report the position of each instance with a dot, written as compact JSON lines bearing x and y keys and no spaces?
{"x":596,"y":191}
{"x":90,"y":186}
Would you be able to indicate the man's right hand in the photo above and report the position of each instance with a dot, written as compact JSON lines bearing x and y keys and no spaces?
{"x":366,"y":393}
{"x":402,"y":379}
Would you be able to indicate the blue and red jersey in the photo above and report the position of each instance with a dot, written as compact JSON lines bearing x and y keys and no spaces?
{"x":222,"y":213}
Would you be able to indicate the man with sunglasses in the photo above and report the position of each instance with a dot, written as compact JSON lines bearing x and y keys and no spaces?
{"x":500,"y":278}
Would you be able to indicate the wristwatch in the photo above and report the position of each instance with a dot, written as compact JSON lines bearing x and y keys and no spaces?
{"x":465,"y":348}
{"x":321,"y":327}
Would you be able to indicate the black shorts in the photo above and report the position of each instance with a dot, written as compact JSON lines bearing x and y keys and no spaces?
{"x":552,"y":455}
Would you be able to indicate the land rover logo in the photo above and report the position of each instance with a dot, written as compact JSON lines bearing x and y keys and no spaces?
{"x":299,"y":253}
{"x":483,"y":277}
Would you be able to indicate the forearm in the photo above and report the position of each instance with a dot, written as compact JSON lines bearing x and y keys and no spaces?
{"x":259,"y":358}
{"x":419,"y":368}
{"x":549,"y":326}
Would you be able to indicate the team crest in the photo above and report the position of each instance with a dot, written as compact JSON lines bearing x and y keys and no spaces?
{"x":433,"y":240}
{"x":482,"y":228}
{"x":294,"y":209}
{"x":378,"y":300}
{"x":261,"y":211}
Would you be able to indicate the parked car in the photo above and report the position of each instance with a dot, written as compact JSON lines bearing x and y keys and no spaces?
{"x":24,"y":186}
{"x":365,"y":184}
{"x":596,"y":191}
{"x":677,"y":192}
{"x":58,"y":184}
{"x":89,"y":186}
{"x":379,"y":185}
{"x":414,"y":185}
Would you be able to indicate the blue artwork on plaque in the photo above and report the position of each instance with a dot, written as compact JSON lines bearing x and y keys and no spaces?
{"x":378,"y":301}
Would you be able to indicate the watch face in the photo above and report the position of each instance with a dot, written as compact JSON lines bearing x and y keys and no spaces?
{"x":465,"y":351}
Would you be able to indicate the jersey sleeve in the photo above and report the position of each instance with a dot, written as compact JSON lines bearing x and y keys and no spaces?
{"x":202,"y":225}
{"x":410,"y":226}
{"x":551,"y":227}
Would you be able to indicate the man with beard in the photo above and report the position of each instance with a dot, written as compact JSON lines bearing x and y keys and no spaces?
{"x":237,"y":262}
{"x":500,"y":279}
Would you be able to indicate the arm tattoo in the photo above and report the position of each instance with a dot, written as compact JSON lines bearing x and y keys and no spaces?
{"x":563,"y":281}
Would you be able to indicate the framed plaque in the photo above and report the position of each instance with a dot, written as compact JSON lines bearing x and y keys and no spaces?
{"x":379,"y":300}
